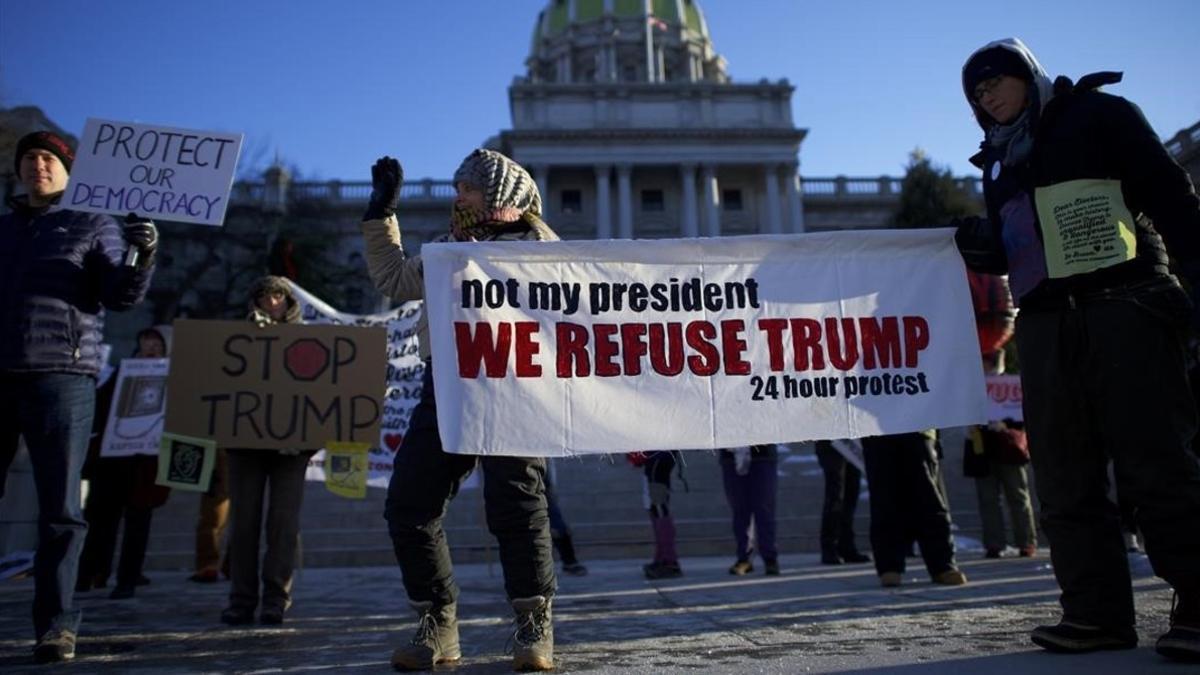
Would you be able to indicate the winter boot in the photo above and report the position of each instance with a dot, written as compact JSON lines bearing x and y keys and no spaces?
{"x":436,"y":639}
{"x":533,"y":634}
{"x":1182,"y":642}
{"x":1073,"y":638}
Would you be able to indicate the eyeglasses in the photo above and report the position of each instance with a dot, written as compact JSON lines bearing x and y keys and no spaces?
{"x":988,"y":86}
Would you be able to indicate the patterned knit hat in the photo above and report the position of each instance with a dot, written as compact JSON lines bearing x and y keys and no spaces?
{"x":509,"y":192}
{"x":48,"y":141}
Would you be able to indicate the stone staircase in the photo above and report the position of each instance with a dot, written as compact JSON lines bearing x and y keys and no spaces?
{"x":601,"y":498}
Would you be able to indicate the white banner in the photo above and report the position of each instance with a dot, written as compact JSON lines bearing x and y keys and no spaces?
{"x":1004,"y":398}
{"x":162,"y":173}
{"x":135,"y":418}
{"x":405,"y":370}
{"x":554,"y":348}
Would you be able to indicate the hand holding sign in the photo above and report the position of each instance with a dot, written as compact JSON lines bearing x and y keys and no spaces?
{"x":142,"y":237}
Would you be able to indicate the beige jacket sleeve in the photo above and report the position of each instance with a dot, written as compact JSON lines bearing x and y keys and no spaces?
{"x":394,"y":274}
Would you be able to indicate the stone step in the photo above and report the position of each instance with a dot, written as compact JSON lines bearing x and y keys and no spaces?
{"x":602,"y":500}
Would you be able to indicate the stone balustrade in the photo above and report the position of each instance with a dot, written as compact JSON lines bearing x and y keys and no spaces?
{"x":355,"y":192}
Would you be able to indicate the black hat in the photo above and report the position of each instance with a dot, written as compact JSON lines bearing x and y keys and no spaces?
{"x":991,"y":63}
{"x":48,"y":141}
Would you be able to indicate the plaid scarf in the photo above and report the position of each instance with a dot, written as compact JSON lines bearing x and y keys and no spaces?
{"x":509,"y":192}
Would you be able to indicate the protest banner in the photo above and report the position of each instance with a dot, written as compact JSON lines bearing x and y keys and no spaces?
{"x":135,"y":418}
{"x":553,"y":348}
{"x":1004,"y":398}
{"x":283,"y":386}
{"x":163,"y":173}
{"x":404,"y":373}
{"x":186,"y":463}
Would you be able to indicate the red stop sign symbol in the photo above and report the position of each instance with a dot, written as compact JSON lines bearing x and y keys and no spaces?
{"x":306,"y":359}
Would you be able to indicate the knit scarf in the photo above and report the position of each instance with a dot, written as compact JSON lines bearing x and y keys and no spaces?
{"x":1015,"y":140}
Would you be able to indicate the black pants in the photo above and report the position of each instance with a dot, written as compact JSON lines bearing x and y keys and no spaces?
{"x":425,"y":479}
{"x":842,"y":481}
{"x":1106,"y":381}
{"x":907,"y":503}
{"x":276,"y":480}
{"x":108,"y":503}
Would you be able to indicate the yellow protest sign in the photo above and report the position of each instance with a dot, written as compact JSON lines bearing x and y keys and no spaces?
{"x":346,"y":469}
{"x":1086,"y":226}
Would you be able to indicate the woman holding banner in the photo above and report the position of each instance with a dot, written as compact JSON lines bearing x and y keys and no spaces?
{"x":250,"y":472}
{"x":497,"y":200}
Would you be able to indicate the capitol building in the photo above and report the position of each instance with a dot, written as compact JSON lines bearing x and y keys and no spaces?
{"x":629,"y":122}
{"x":627,"y":118}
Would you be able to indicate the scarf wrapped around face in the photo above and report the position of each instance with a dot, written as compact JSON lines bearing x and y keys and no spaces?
{"x":509,"y":195}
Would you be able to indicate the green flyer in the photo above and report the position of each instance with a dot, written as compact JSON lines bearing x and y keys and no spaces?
{"x":186,"y":463}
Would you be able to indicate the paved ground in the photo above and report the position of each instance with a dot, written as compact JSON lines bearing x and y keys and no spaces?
{"x":810,"y":619}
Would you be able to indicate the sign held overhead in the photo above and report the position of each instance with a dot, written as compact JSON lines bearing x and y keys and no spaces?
{"x":164,"y":173}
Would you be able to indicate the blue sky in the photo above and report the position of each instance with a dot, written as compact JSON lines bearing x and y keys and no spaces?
{"x":330,"y":86}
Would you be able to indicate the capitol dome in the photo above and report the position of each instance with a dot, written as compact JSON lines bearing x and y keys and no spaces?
{"x":647,"y":41}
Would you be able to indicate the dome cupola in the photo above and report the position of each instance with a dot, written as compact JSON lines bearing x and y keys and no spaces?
{"x":646,"y":41}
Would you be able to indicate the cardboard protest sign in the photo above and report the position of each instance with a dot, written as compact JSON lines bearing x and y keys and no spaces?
{"x":135,"y":418}
{"x":1004,"y":398}
{"x":285,"y":386}
{"x":163,"y":173}
{"x":404,"y":372}
{"x":186,"y":463}
{"x":346,"y":469}
{"x":552,"y":348}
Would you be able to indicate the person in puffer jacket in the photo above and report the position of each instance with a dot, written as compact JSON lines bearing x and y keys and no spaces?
{"x":59,"y":270}
{"x":1083,"y":205}
{"x":497,"y":201}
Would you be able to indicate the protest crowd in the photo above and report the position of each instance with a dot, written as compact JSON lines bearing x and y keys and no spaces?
{"x":1104,"y":344}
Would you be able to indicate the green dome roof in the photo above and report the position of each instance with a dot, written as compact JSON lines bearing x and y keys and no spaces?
{"x":608,"y":41}
{"x":560,"y":14}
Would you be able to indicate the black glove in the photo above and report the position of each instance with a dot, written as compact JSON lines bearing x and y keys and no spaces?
{"x":142,"y":237}
{"x":977,"y":243}
{"x":386,"y":177}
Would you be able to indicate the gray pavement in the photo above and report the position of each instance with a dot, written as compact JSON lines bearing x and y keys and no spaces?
{"x":812,"y":618}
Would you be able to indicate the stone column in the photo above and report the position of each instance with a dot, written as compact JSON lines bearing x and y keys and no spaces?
{"x":690,"y":225}
{"x":774,"y":220}
{"x":624,"y":202}
{"x":541,"y":176}
{"x":712,"y":214}
{"x":795,"y":195}
{"x":603,"y":202}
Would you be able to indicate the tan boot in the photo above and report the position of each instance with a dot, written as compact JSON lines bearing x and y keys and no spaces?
{"x":533,"y":639}
{"x":951,"y":577}
{"x":436,"y":639}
